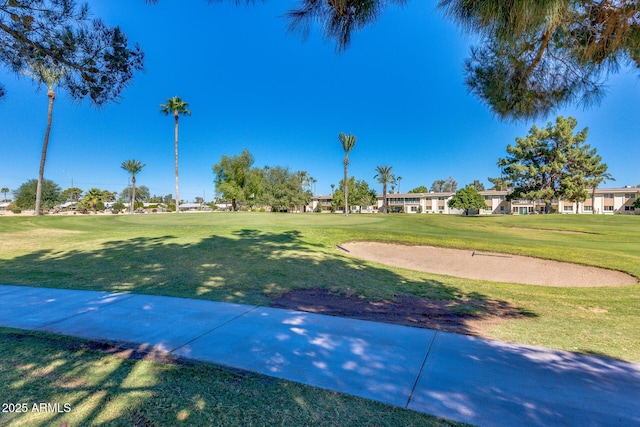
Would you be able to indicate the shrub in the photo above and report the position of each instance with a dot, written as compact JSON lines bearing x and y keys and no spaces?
{"x":117,"y":207}
{"x":16,"y":210}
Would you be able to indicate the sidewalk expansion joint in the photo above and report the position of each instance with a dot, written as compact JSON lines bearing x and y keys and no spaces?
{"x":424,"y":362}
{"x":85,"y":312}
{"x":216,"y":328}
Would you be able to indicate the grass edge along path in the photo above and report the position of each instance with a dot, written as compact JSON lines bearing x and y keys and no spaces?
{"x":55,"y":380}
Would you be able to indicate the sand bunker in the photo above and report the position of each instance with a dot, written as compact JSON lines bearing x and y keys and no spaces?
{"x":488,"y":266}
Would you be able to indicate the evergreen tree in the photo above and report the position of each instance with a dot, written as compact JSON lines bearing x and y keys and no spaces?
{"x":500,"y":184}
{"x":539,"y":55}
{"x":550,"y":163}
{"x":97,"y":60}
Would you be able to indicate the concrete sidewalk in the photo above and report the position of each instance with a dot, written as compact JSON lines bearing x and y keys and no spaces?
{"x":482,"y":382}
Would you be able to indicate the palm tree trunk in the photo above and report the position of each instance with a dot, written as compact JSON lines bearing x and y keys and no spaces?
{"x":593,"y":200}
{"x":133,"y":194}
{"x":52,"y":96}
{"x":346,"y":187}
{"x":176,"y":154}
{"x":384,"y":198}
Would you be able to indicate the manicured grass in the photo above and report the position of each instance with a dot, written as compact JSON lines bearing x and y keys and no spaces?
{"x":247,"y":257}
{"x":103,"y":389}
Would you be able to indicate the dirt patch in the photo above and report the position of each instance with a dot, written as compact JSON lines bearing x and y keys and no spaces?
{"x":488,"y":266}
{"x":472,"y":317}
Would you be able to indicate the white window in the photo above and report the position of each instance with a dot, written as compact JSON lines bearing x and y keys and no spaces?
{"x":568,"y":208}
{"x":588,"y":208}
{"x":608,"y":208}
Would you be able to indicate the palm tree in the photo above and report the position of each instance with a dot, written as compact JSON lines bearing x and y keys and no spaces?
{"x":384,"y":177}
{"x":312,"y":184}
{"x":347,"y":141}
{"x":4,"y":190}
{"x":175,"y":106}
{"x":93,"y":197}
{"x":399,"y":179}
{"x":45,"y":73}
{"x":134,"y":167}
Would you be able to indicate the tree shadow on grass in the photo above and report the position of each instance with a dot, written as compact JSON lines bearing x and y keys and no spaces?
{"x":258,"y":267}
{"x":76,"y":382}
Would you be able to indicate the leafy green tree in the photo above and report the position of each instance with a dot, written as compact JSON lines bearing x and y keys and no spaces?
{"x":550,"y":163}
{"x":72,"y":194}
{"x":438,"y":185}
{"x":636,"y":204}
{"x":338,"y":194}
{"x":4,"y":190}
{"x":385,"y":177}
{"x":233,"y":178}
{"x":94,"y":198}
{"x":477,"y":185}
{"x":363,"y":195}
{"x":44,"y":72}
{"x":141,"y":194}
{"x":537,"y":56}
{"x":467,"y":199}
{"x":448,"y":185}
{"x":133,"y":167}
{"x":176,"y":107}
{"x":98,"y":62}
{"x":282,"y":189}
{"x":419,"y":189}
{"x":348,"y":142}
{"x":109,"y":196}
{"x":25,"y":195}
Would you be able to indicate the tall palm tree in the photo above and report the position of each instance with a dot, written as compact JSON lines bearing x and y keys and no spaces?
{"x":399,"y":179}
{"x":49,"y":74}
{"x":4,"y":190}
{"x":347,"y":141}
{"x":177,"y":107}
{"x":134,"y":167}
{"x":384,"y":177}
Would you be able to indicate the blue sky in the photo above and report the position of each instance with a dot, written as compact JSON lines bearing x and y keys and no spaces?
{"x":399,"y":88}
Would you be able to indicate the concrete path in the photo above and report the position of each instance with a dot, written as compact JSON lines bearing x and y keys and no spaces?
{"x":482,"y":382}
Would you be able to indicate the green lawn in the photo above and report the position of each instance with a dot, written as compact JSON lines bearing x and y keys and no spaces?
{"x":248,"y":257}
